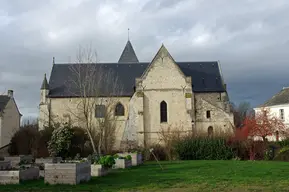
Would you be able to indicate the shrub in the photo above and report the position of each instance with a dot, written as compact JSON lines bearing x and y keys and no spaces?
{"x":271,"y":151}
{"x":92,"y":158}
{"x":46,"y":133}
{"x":116,"y":156}
{"x":202,"y":148}
{"x":268,"y":154}
{"x":240,"y":149}
{"x":169,"y":136}
{"x":24,"y":141}
{"x":283,"y":154}
{"x":78,"y":141}
{"x":128,"y":157}
{"x":259,"y":148}
{"x":45,"y":136}
{"x":60,"y":142}
{"x":283,"y":143}
{"x":159,"y":151}
{"x":107,"y":161}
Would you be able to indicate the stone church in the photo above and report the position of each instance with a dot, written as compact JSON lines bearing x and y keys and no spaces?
{"x":156,"y":95}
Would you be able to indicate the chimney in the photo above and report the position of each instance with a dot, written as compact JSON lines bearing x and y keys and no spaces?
{"x":10,"y":93}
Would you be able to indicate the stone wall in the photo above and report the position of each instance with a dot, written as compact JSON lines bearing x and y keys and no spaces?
{"x":4,"y":150}
{"x":67,"y":110}
{"x":220,"y":119}
{"x":10,"y":123}
{"x":164,"y":81}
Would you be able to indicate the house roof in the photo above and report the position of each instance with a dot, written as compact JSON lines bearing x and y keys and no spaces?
{"x":205,"y":76}
{"x":3,"y":101}
{"x":282,"y":97}
{"x":128,"y":54}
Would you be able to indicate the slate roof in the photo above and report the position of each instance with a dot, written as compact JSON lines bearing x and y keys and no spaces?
{"x":128,"y":54}
{"x":282,"y":97}
{"x":45,"y":84}
{"x":3,"y":101}
{"x":205,"y":76}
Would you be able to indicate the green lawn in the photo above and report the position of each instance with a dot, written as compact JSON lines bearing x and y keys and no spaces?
{"x":182,"y":176}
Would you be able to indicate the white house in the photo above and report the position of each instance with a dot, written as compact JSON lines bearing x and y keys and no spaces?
{"x":279,"y":107}
{"x":9,"y":118}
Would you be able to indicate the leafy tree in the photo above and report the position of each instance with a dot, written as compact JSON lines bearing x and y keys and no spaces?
{"x":263,"y":124}
{"x":24,"y":141}
{"x":259,"y":125}
{"x":60,"y":142}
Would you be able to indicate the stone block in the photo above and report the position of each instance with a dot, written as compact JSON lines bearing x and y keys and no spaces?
{"x":136,"y":158}
{"x":15,"y":160}
{"x":122,"y":163}
{"x":48,"y":160}
{"x":67,"y":173}
{"x":99,"y":170}
{"x":4,"y":165}
{"x":15,"y":176}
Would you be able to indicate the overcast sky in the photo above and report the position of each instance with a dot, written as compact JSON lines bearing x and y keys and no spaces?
{"x":248,"y":37}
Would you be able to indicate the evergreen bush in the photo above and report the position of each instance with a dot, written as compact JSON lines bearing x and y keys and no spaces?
{"x":204,"y":148}
{"x":60,"y":142}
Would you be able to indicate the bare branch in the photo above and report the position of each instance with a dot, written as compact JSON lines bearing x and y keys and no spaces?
{"x":92,"y":84}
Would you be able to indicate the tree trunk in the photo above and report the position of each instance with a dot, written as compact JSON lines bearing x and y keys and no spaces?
{"x":264,"y":138}
{"x":100,"y":139}
{"x":91,"y":140}
{"x":252,"y":153}
{"x":99,"y":144}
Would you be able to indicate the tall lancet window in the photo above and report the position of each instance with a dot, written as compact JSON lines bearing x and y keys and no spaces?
{"x":164,"y":113}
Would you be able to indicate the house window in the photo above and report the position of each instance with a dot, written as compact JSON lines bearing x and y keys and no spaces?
{"x":208,"y":114}
{"x":99,"y":111}
{"x":281,"y":114}
{"x":119,"y":110}
{"x":164,"y":115}
{"x":210,"y":131}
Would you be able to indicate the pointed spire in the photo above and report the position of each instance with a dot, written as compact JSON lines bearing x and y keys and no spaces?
{"x":128,"y":55}
{"x":128,"y":34}
{"x":53,"y":60}
{"x":45,"y":84}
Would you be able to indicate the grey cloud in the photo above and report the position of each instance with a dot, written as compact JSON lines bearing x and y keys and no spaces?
{"x":248,"y":37}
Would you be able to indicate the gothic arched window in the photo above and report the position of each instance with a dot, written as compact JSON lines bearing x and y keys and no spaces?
{"x":163,"y":110}
{"x":119,"y":110}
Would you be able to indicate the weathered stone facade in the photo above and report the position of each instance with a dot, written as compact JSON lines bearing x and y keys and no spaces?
{"x":162,"y":82}
{"x":10,"y":118}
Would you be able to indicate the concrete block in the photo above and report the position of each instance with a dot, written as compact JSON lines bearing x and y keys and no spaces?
{"x":136,"y":158}
{"x":98,"y":170}
{"x":122,"y":163}
{"x":67,"y":173}
{"x":15,"y":176}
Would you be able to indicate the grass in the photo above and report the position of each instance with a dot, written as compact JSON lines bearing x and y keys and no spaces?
{"x":181,"y":176}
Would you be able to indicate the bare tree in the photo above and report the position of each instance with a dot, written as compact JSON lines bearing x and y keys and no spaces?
{"x":50,"y":120}
{"x":241,"y":111}
{"x":170,"y":135}
{"x":97,"y":88}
